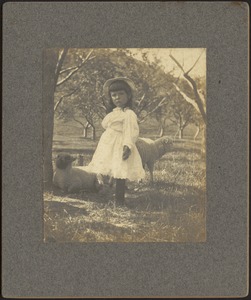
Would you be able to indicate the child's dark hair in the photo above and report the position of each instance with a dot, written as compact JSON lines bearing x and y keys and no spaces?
{"x":120,"y":85}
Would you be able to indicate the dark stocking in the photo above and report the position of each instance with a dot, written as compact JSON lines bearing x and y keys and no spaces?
{"x":120,"y":191}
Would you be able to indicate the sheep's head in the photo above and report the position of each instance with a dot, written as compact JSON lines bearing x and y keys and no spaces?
{"x":167,"y":143}
{"x":63,"y":160}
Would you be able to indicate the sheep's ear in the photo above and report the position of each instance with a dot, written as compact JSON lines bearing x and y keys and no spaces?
{"x":73,"y":158}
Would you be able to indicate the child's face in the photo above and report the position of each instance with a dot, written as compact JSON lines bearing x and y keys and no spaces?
{"x":119,"y":98}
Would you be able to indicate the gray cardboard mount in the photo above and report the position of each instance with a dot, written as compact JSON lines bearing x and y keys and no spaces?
{"x":216,"y":268}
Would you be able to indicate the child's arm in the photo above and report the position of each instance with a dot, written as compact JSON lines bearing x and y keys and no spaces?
{"x":130,"y":132}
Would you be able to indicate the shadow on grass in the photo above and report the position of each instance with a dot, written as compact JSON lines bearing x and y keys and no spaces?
{"x":161,"y":212}
{"x":158,"y":197}
{"x":162,"y":200}
{"x":97,"y":197}
{"x":62,"y":208}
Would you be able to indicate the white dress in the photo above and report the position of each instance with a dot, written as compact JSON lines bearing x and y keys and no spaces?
{"x":121,"y":129}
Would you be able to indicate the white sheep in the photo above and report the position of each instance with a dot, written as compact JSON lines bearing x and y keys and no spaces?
{"x":150,"y":151}
{"x":74,"y":179}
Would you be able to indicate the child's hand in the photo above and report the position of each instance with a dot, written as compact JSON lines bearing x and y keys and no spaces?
{"x":126,"y":152}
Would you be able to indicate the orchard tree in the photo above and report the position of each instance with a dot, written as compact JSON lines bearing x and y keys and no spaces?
{"x":181,"y":114}
{"x":162,"y":117}
{"x":84,"y":89}
{"x":84,"y":102}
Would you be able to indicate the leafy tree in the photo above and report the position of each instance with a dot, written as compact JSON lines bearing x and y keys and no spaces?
{"x":79,"y":95}
{"x":83,"y":91}
{"x":85,"y":103}
{"x":181,"y":114}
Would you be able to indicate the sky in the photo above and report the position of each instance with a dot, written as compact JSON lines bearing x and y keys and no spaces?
{"x":185,"y":56}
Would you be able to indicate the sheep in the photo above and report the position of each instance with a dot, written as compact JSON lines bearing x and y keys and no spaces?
{"x":74,"y":179}
{"x":150,"y":151}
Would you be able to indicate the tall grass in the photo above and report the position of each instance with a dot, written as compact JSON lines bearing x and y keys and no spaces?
{"x":170,"y":210}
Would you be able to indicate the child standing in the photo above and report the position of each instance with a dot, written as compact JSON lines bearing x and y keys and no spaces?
{"x":116,"y":154}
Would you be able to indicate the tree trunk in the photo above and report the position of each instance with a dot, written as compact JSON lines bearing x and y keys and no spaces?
{"x":90,"y":125}
{"x":93,"y":133}
{"x":203,"y":142}
{"x":86,"y":127}
{"x":197,"y":97}
{"x":181,"y":133}
{"x":197,"y":132}
{"x":180,"y":127}
{"x":162,"y":130}
{"x":85,"y":132}
{"x":50,"y":60}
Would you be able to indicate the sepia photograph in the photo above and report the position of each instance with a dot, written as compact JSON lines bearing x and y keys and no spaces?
{"x":124,"y":144}
{"x":125,"y":149}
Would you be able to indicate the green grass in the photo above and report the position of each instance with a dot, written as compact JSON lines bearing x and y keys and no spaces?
{"x":170,"y":210}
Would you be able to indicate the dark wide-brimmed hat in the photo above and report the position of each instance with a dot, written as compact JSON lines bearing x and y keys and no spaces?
{"x":108,"y":83}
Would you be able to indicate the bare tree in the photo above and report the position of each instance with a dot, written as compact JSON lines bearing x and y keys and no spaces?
{"x":70,"y":71}
{"x":198,"y":101}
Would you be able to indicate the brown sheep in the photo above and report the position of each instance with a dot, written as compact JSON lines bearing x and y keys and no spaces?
{"x":74,"y":179}
{"x":150,"y":151}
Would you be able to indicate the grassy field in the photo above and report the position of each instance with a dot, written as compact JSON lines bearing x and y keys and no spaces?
{"x":170,"y":210}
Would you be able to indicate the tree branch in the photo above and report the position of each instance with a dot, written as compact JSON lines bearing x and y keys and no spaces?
{"x":145,"y":105}
{"x":72,"y":68}
{"x":75,"y":69}
{"x":89,"y":121}
{"x":202,"y":96}
{"x":142,"y":98}
{"x":198,"y":100}
{"x":99,"y":113}
{"x":65,"y":96}
{"x":188,"y":99}
{"x":61,"y":58}
{"x":188,"y":120}
{"x":161,"y":103}
{"x":78,"y":121}
{"x":177,"y":63}
{"x":173,"y":121}
{"x":195,"y":62}
{"x":67,"y":69}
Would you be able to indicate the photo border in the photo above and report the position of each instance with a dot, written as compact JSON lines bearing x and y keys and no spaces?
{"x":217,"y":268}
